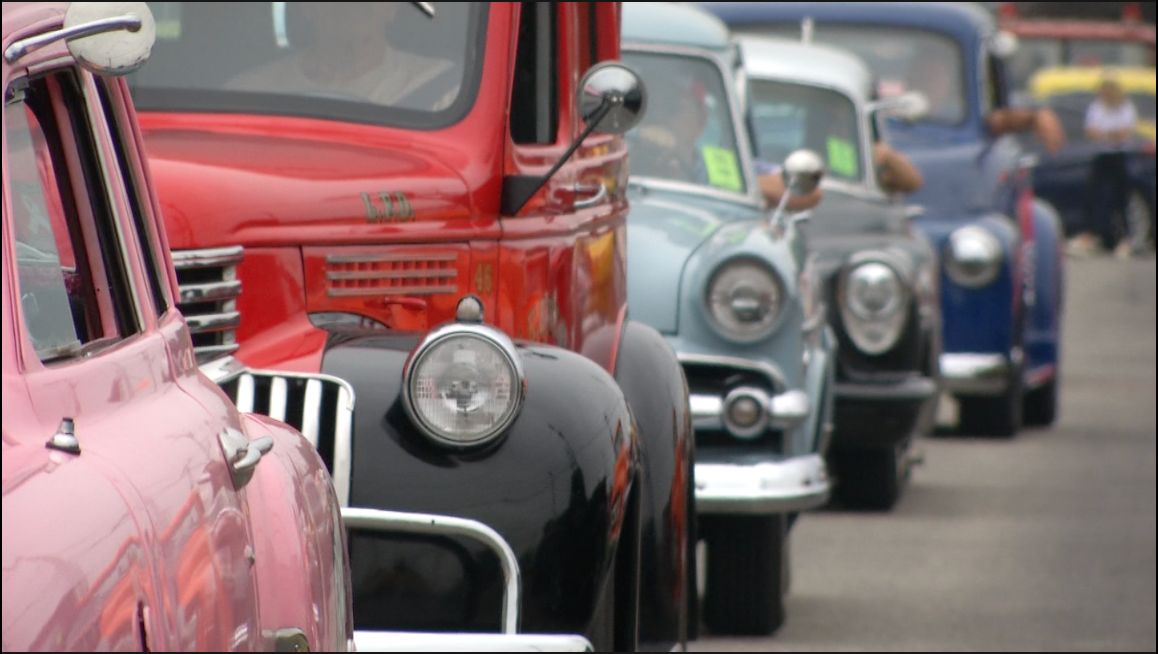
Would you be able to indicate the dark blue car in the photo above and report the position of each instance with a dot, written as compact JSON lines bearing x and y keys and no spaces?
{"x":1001,"y":269}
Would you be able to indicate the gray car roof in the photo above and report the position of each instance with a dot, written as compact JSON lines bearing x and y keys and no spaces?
{"x":673,"y":24}
{"x":807,"y":63}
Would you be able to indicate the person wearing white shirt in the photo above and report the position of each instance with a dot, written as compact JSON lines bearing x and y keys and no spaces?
{"x":1110,"y":119}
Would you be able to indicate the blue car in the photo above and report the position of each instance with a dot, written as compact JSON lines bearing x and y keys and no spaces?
{"x":1001,"y":273}
{"x":730,"y":287}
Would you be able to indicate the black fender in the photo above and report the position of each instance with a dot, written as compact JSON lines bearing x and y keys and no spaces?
{"x":554,"y":485}
{"x":653,"y":382}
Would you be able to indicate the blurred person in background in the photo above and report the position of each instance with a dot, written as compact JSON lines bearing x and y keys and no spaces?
{"x":1110,"y":119}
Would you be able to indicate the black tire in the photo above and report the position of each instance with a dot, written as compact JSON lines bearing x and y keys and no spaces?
{"x":745,"y":575}
{"x":1040,"y":408}
{"x":870,"y":479}
{"x":994,"y":416}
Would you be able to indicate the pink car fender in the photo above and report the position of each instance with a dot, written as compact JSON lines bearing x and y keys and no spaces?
{"x":299,"y":542}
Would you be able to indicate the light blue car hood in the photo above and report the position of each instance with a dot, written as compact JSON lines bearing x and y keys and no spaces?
{"x":664,"y":230}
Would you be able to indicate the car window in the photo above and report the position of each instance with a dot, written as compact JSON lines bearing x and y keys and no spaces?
{"x":535,"y":93}
{"x":378,"y":62}
{"x":788,"y":117}
{"x":903,"y":59}
{"x":687,"y":133}
{"x":73,"y":286}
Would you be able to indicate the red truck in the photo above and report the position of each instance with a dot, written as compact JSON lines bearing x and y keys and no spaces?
{"x":427,"y":202}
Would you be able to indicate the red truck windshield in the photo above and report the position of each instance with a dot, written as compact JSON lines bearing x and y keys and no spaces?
{"x":379,"y":62}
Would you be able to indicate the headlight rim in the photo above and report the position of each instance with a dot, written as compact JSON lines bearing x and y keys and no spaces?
{"x":781,"y":304}
{"x":489,"y":335}
{"x":950,"y":259}
{"x":854,"y":325}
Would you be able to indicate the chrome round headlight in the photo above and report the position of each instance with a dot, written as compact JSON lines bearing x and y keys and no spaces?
{"x":873,"y":303}
{"x":744,"y":300}
{"x":463,"y":385}
{"x":973,"y":256}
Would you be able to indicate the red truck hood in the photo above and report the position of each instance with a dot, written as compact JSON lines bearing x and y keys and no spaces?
{"x":267,"y":181}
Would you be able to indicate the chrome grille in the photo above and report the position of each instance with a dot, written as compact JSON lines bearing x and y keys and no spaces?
{"x":319,"y":406}
{"x":208,"y":284}
{"x":350,"y":275}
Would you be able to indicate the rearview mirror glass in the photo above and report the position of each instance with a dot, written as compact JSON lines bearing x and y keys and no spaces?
{"x":613,"y":96}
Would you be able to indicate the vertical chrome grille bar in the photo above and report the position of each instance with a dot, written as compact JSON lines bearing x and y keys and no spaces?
{"x":278,"y":394}
{"x":343,"y":437}
{"x":245,"y":393}
{"x":312,"y":406}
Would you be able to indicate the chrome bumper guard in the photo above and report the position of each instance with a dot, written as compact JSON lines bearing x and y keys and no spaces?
{"x":784,"y":410}
{"x":794,"y":484}
{"x":975,"y":374}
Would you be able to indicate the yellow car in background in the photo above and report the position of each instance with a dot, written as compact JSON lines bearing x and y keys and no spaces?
{"x":1069,"y":90}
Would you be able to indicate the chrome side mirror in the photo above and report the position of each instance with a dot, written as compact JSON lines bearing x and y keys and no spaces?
{"x":1003,"y":44}
{"x":118,"y":50}
{"x":106,"y":38}
{"x":909,"y":107}
{"x":803,"y":170}
{"x":612,"y":98}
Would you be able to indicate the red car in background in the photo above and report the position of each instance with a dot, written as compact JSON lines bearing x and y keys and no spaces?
{"x":1049,"y":41}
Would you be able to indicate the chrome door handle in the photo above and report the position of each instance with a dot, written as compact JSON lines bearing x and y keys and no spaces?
{"x":594,"y":195}
{"x":242,"y":455}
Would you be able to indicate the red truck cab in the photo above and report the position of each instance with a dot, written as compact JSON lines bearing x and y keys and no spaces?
{"x":141,"y":510}
{"x":336,"y":178}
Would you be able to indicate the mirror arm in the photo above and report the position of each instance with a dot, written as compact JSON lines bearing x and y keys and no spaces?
{"x":130,"y":22}
{"x":518,"y":189}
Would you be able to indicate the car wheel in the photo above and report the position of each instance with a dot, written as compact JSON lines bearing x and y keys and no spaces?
{"x":870,"y":479}
{"x":1138,"y":221}
{"x":1041,"y":405}
{"x":994,"y":416}
{"x":746,"y":565}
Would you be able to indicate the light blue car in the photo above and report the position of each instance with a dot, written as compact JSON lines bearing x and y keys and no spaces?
{"x":729,"y":285}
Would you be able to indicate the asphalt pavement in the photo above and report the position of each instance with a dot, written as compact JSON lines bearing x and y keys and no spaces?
{"x":1042,"y":542}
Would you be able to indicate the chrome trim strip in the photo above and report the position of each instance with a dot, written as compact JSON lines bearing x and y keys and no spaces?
{"x":245,"y":394}
{"x":390,"y":258}
{"x":343,"y":443}
{"x":209,"y":291}
{"x":660,"y":184}
{"x":222,"y":370}
{"x":208,"y":258}
{"x":213,"y":322}
{"x":768,"y":370}
{"x":788,"y":409}
{"x":311,"y":405}
{"x":969,"y":373}
{"x":216,"y":351}
{"x":440,"y":525}
{"x":278,"y":396}
{"x":391,"y":274}
{"x":782,"y":411}
{"x":913,"y":389}
{"x":410,"y":641}
{"x":391,"y":290}
{"x":795,"y":484}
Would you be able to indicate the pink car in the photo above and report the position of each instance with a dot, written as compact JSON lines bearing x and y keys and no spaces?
{"x":141,"y":510}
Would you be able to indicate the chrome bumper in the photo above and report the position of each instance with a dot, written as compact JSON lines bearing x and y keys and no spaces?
{"x":975,"y":374}
{"x":441,"y":525}
{"x":784,"y":410}
{"x":794,"y":484}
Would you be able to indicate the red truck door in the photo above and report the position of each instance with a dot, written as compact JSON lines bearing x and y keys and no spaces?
{"x":565,"y":248}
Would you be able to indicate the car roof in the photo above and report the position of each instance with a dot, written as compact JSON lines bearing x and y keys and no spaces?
{"x":673,"y":24}
{"x":1070,"y":79}
{"x":807,"y":63}
{"x":961,"y":19}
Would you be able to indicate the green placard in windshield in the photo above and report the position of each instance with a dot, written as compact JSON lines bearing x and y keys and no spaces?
{"x":842,"y":158}
{"x":723,"y":169}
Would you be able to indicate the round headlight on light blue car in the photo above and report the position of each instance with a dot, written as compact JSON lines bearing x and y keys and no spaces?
{"x":873,"y":303}
{"x":744,"y":299}
{"x":973,"y":256}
